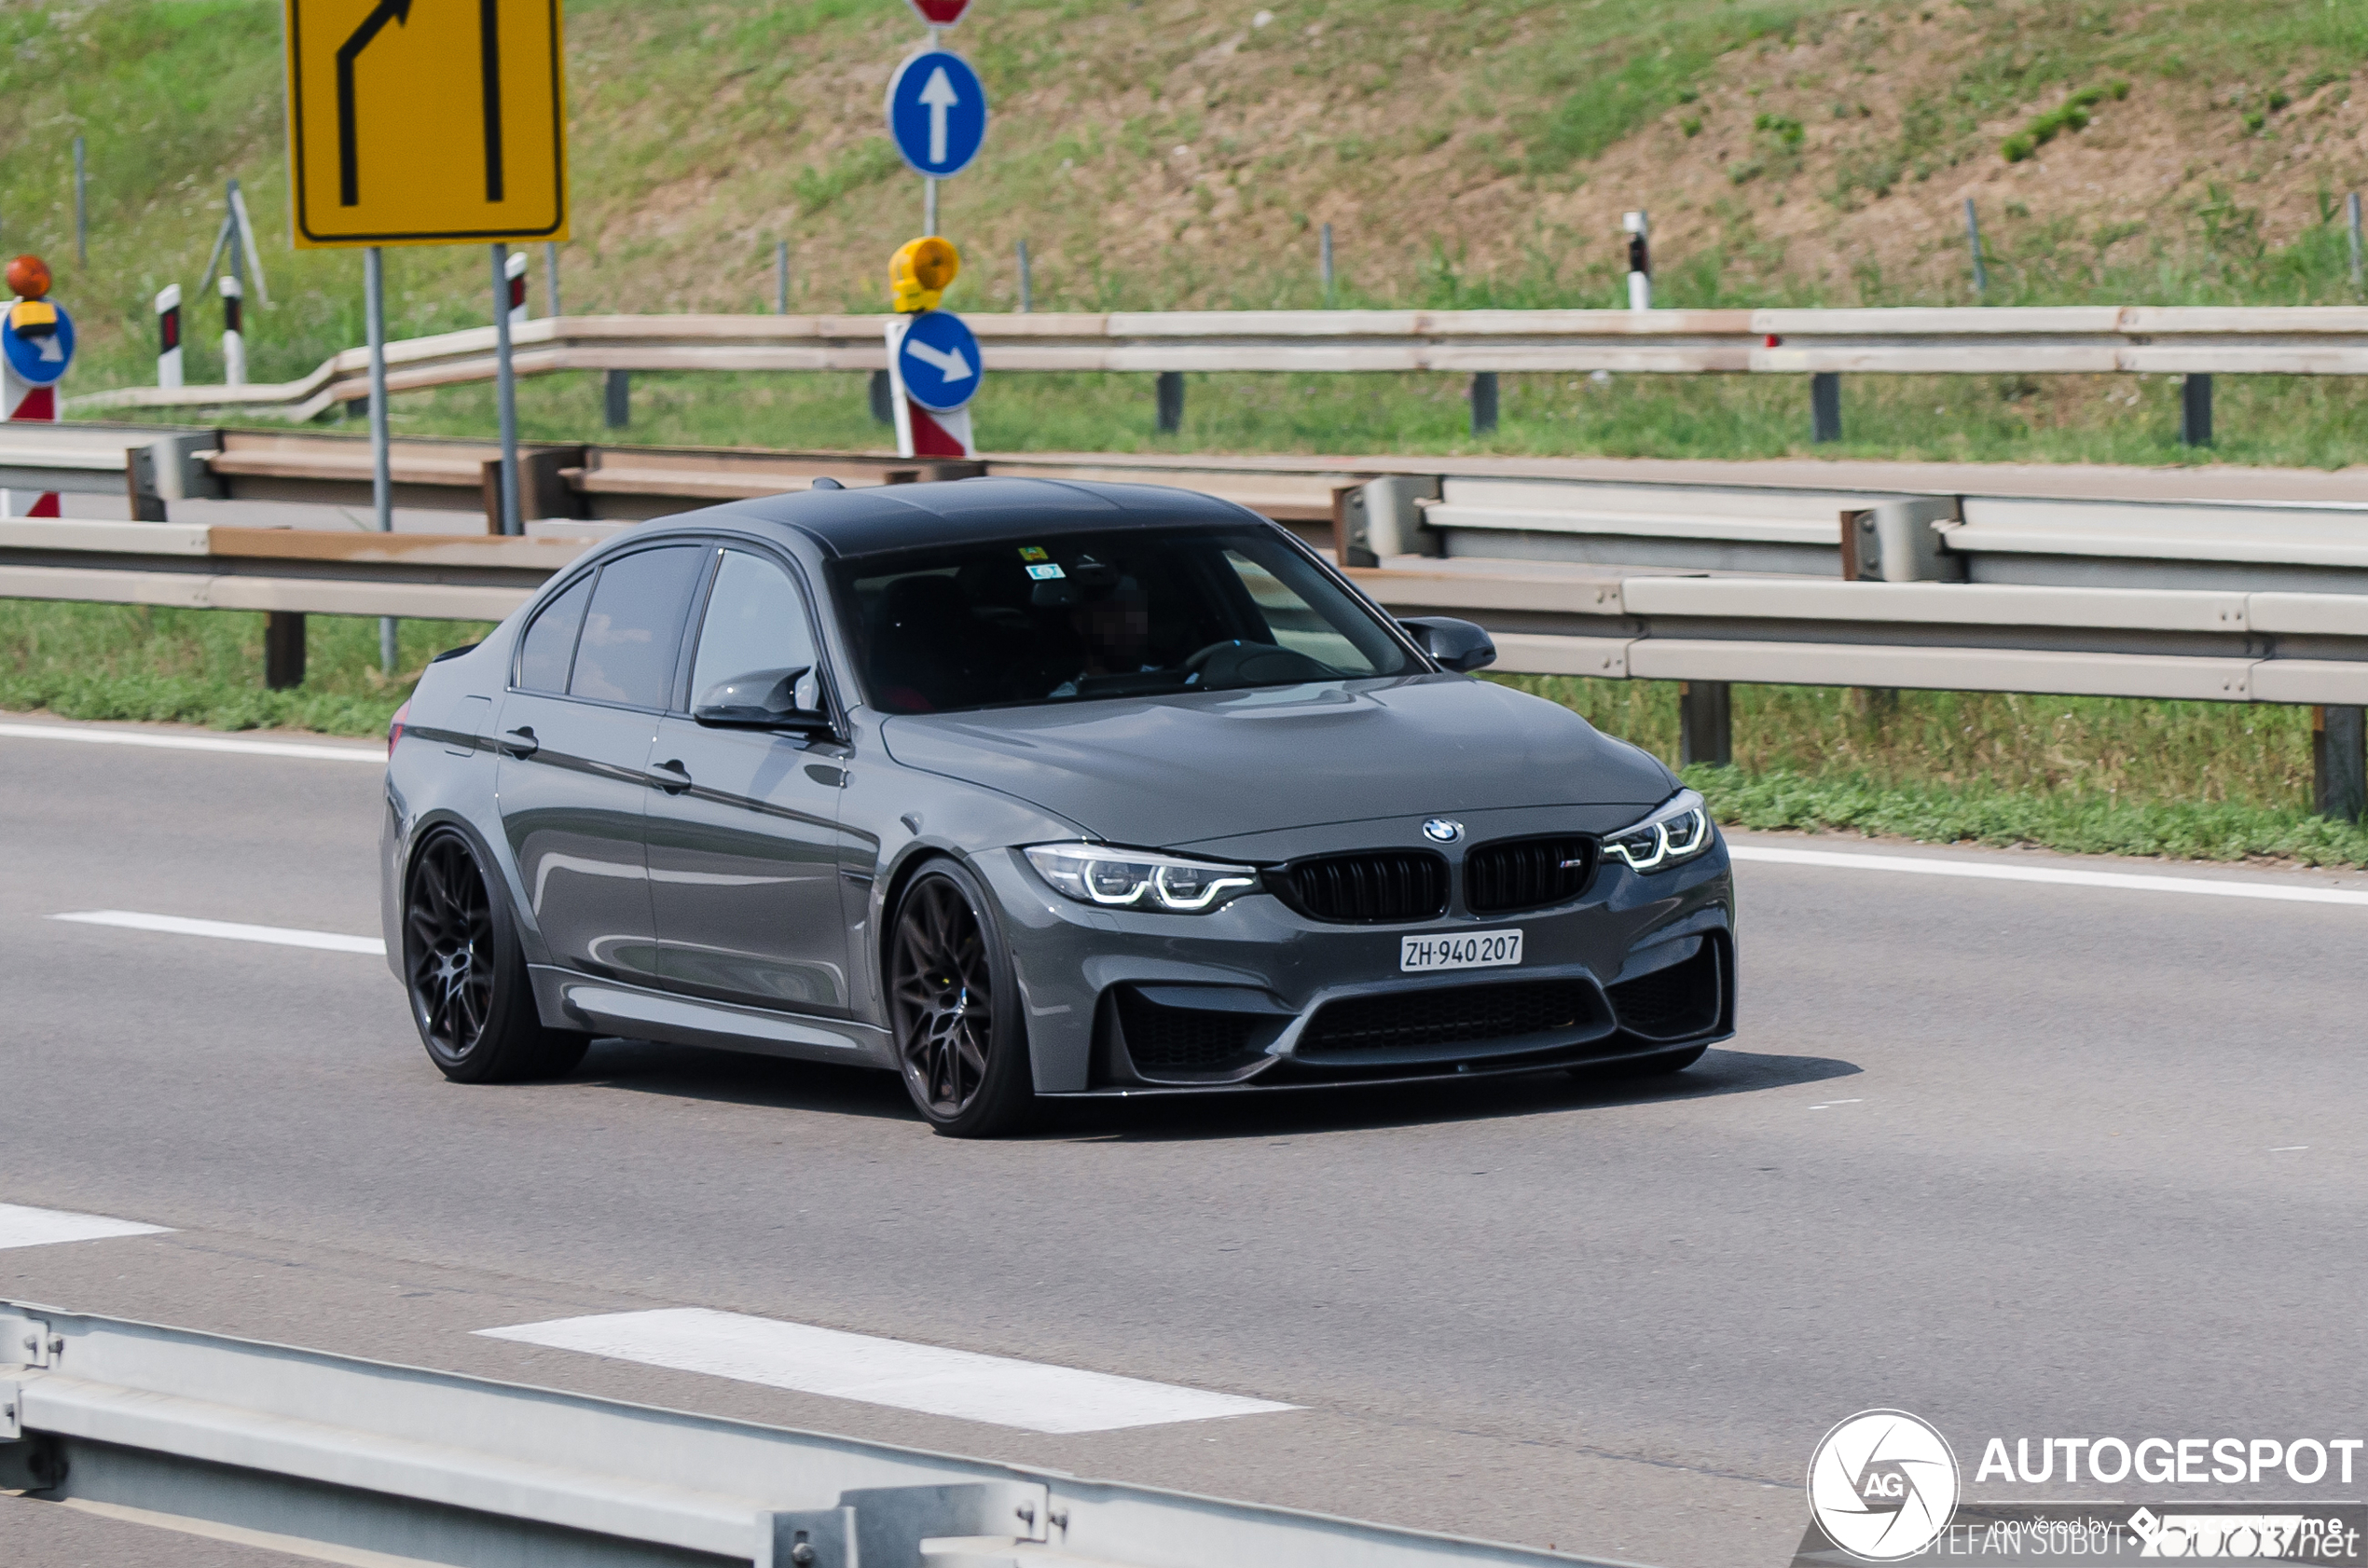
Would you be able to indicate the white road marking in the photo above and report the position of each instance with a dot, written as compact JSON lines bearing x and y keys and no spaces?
{"x":1920,"y":865}
{"x":935,"y":1381}
{"x":374,"y":756}
{"x":20,"y":1226}
{"x":175,"y":924}
{"x":2291,"y":1148}
{"x":1831,"y":1104}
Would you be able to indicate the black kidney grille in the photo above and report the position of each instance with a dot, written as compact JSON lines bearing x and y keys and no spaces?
{"x":1384,"y":885}
{"x":1527,"y":873}
{"x":1457,"y":1015}
{"x":1183,"y":1040}
{"x":1672,"y":1003}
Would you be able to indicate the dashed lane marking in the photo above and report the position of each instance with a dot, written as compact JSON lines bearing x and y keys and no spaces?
{"x":20,"y":1226}
{"x":1030,"y":1395}
{"x":230,"y":930}
{"x":374,"y":756}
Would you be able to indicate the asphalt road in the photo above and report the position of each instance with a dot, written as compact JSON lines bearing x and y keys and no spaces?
{"x":2024,"y":1160}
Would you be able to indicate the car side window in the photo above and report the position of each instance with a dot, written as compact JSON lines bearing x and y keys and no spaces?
{"x":633,"y":627}
{"x":549,"y":647}
{"x":755,"y":622}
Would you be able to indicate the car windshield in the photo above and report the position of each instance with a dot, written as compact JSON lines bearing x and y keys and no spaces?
{"x":1071,"y":617}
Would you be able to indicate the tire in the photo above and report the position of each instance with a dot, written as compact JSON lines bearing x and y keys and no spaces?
{"x":1659,"y":1063}
{"x":465,"y":974}
{"x":963,"y":1054}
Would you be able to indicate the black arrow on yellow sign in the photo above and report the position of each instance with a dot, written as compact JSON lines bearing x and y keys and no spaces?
{"x":348,"y":153}
{"x":399,"y":12}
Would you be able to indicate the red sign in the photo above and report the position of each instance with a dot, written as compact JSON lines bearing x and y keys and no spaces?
{"x":940,"y":13}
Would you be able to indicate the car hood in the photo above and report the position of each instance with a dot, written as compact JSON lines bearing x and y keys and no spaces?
{"x":1175,"y":770}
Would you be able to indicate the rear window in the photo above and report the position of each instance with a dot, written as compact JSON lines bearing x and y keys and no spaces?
{"x":549,"y":647}
{"x":1078,"y":616}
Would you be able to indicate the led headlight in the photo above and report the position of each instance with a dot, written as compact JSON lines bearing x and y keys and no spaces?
{"x":1099,"y":874}
{"x":1678,"y":830}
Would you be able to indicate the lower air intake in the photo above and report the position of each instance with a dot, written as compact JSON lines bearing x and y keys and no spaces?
{"x":1161,"y":1040}
{"x":1457,"y":1015}
{"x":1682,"y":1000}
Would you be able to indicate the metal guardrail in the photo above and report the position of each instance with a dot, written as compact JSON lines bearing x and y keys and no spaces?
{"x":2231,"y":601}
{"x":2307,"y":340}
{"x":363,"y":1456}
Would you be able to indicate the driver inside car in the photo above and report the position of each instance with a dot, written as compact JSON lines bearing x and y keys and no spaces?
{"x":1111,"y":615}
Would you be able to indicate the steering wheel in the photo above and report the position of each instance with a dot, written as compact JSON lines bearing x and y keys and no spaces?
{"x":1204,"y":655}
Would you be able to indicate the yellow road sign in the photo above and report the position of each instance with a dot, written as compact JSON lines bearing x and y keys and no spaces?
{"x":423,"y":122}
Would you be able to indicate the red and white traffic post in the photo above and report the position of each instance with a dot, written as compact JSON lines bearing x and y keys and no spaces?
{"x":36,"y":344}
{"x":169,"y":336}
{"x":515,"y":269}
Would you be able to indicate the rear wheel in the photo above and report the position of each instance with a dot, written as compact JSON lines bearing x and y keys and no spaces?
{"x":466,"y":973}
{"x":956,"y":1005}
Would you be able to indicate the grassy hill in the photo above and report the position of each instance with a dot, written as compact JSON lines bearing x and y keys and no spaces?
{"x":1158,"y":154}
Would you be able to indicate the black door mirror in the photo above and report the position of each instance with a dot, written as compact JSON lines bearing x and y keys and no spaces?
{"x":764,"y":699}
{"x":1457,"y":645}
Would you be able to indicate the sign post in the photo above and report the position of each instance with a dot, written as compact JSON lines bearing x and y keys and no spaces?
{"x":429,"y":125}
{"x":37,"y":345}
{"x":937,"y":117}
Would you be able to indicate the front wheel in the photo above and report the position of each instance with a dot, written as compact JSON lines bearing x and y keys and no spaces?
{"x":956,"y":1006}
{"x":466,"y":974}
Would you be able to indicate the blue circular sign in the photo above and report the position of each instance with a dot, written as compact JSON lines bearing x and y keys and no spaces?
{"x":40,"y":360}
{"x":939,"y":361}
{"x":937,"y":113}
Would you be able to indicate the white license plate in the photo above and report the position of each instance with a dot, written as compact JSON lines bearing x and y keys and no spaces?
{"x":1459,"y":950}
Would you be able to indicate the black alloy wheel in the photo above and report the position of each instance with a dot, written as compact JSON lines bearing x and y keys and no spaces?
{"x":955,"y":1006}
{"x":462,"y":963}
{"x":448,"y":948}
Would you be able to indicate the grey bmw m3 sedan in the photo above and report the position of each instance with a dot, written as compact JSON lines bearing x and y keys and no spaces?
{"x":1029,"y":790}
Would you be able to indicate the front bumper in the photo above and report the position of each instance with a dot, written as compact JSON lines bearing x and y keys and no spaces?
{"x":1256,"y":995}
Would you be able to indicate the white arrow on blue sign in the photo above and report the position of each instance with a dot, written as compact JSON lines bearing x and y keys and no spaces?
{"x":937,"y":113}
{"x":937,"y":361}
{"x":38,"y":360}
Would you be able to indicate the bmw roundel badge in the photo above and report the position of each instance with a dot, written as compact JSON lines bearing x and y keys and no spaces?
{"x":1438,"y":830}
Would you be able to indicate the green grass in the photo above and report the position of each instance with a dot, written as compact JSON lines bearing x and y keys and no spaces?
{"x":2182,"y":780}
{"x":2186,"y":780}
{"x":205,"y":666}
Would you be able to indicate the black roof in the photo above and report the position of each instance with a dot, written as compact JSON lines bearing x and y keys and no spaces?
{"x":883,"y":518}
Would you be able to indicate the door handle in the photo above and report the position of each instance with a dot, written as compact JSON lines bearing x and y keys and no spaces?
{"x":674,"y":785}
{"x":521,"y":742}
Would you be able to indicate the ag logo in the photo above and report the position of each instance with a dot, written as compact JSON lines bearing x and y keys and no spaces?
{"x":1882,"y":1485}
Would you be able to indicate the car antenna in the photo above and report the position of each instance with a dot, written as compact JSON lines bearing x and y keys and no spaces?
{"x":826,"y":482}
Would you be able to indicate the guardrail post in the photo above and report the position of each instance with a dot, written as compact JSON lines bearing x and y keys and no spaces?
{"x":882,"y":399}
{"x":1825,"y":407}
{"x":616,"y":397}
{"x":1484,"y":396}
{"x":2194,"y":410}
{"x":1705,"y":724}
{"x":2339,"y":762}
{"x":283,"y":650}
{"x":1171,"y":396}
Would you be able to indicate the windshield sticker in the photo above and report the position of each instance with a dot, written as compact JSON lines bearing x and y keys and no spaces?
{"x":1045,"y":573}
{"x":1034,"y":553}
